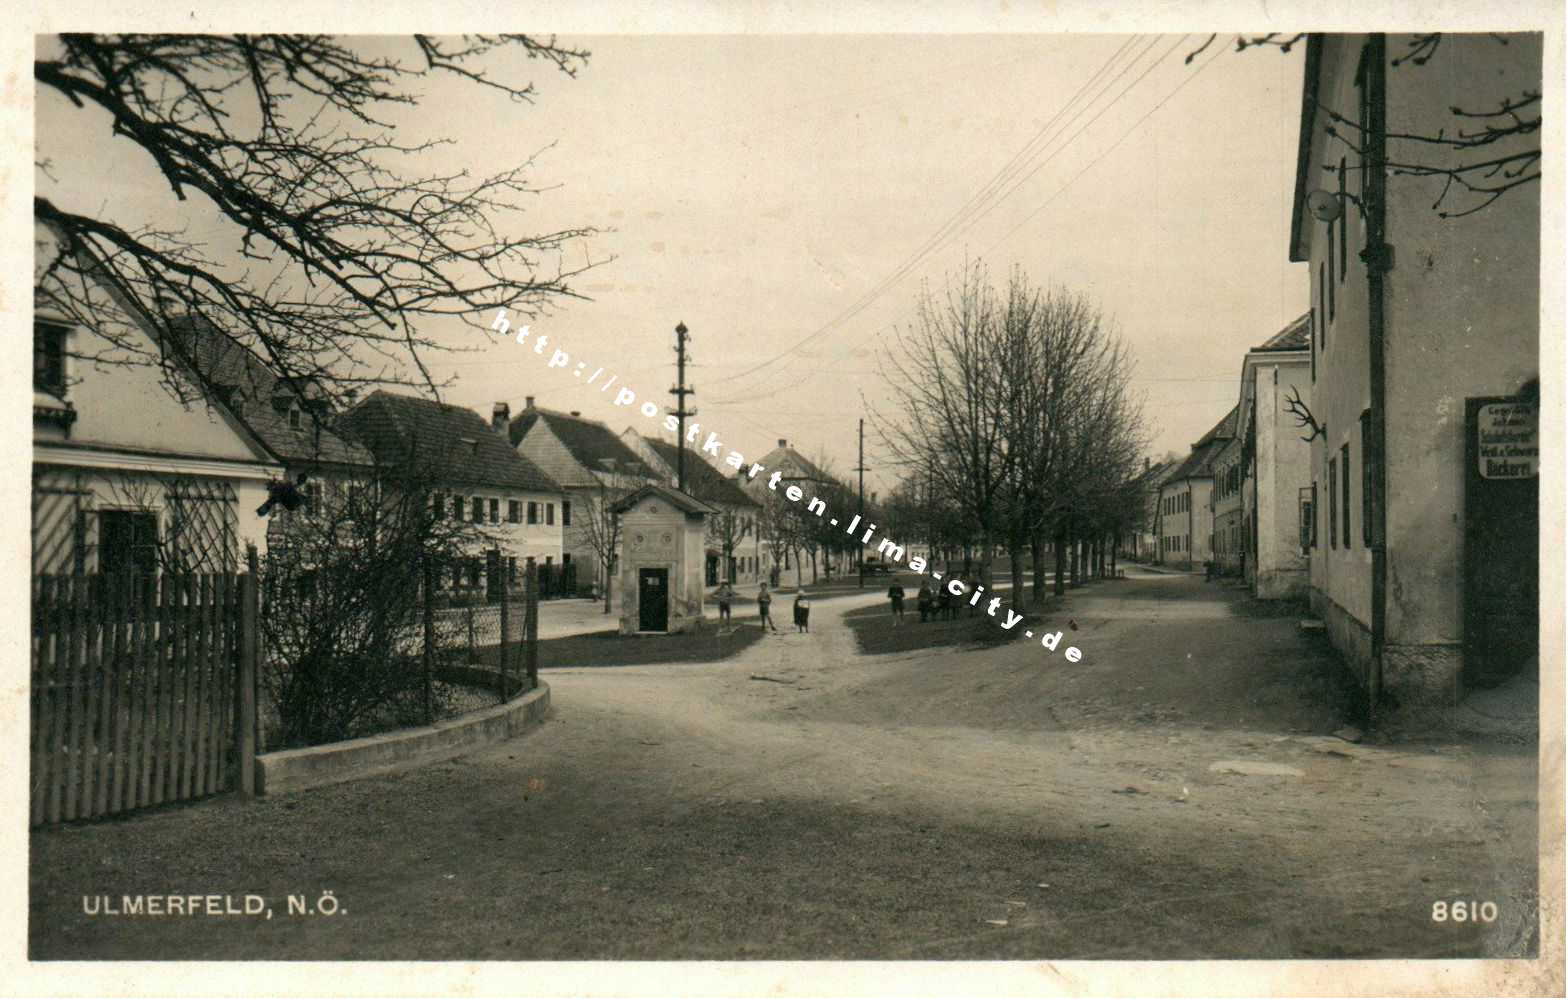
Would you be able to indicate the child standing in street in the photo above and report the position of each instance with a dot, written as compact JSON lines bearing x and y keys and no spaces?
{"x":895,"y":594}
{"x":764,"y":602}
{"x":802,"y":612}
{"x":725,"y":596}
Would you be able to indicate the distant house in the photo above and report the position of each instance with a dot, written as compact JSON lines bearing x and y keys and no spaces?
{"x":1140,"y":543}
{"x":125,"y":476}
{"x":481,"y":480}
{"x":1185,"y":500}
{"x":594,"y":469}
{"x":1276,"y":485}
{"x":798,"y":470}
{"x":733,"y":524}
{"x":1230,"y":533}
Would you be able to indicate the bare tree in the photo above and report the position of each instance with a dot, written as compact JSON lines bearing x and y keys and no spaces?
{"x":601,"y":524}
{"x":944,"y":372}
{"x":343,"y":588}
{"x":1483,"y":152}
{"x":339,"y":255}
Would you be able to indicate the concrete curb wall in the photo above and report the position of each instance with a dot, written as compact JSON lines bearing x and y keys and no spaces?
{"x":321,"y":765}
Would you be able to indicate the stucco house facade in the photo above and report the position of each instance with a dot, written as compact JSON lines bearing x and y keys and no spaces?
{"x":1424,"y":560}
{"x":1185,"y":521}
{"x":1276,"y":488}
{"x":136,"y":467}
{"x":478,"y":479}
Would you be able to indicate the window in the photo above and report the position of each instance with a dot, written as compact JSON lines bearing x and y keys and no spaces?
{"x":1342,"y":218}
{"x":295,"y":419}
{"x":127,"y":541}
{"x":473,"y":572}
{"x":532,"y":512}
{"x":49,"y":357}
{"x":1332,"y":275}
{"x":494,"y":511}
{"x":1307,"y":500}
{"x":565,"y":513}
{"x":1366,"y":480}
{"x":511,"y":570}
{"x":1313,"y":344}
{"x":1321,"y":283}
{"x":1332,"y":502}
{"x":1346,"y":478}
{"x":438,"y":506}
{"x":456,"y":508}
{"x":549,"y":514}
{"x":513,"y":511}
{"x":478,"y":511}
{"x":314,"y":506}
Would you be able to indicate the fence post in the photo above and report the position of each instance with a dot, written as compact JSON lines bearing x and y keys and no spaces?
{"x":429,"y":641}
{"x":249,"y":600}
{"x":472,"y":640}
{"x":505,"y":635}
{"x":530,"y":626}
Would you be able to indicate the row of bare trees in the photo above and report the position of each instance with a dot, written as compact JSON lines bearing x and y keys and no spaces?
{"x":1014,"y":426}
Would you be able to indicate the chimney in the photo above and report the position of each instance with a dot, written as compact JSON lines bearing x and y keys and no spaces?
{"x":576,"y":412}
{"x":1147,"y":464}
{"x":529,"y":402}
{"x":782,"y":443}
{"x":500,"y":419}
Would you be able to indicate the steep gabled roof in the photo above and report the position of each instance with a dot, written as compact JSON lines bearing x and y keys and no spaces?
{"x":588,"y":441}
{"x":1199,"y":464}
{"x":232,"y":370}
{"x":1294,"y":336}
{"x":452,"y":443}
{"x":702,"y":480}
{"x":674,"y":497}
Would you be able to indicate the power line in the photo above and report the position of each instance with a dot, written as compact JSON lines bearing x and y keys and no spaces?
{"x":957,"y":217}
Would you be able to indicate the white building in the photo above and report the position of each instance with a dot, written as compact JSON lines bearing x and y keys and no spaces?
{"x":1425,"y":357}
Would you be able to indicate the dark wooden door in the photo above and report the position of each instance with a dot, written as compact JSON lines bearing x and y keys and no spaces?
{"x":652,"y":598}
{"x":1501,"y":539}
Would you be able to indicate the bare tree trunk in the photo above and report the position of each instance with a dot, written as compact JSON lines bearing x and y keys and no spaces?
{"x":1060,"y":560}
{"x":1019,"y":585}
{"x":1036,"y":546}
{"x":608,"y":588}
{"x":1071,"y":541}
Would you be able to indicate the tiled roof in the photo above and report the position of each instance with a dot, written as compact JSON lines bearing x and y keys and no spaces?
{"x":702,"y":480}
{"x":588,"y":440}
{"x":674,"y":497}
{"x":1294,"y":336}
{"x":250,"y":386}
{"x":460,"y":447}
{"x":1199,"y":464}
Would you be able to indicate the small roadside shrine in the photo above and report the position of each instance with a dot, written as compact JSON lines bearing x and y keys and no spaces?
{"x":662,"y":554}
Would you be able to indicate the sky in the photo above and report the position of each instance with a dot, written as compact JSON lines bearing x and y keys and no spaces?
{"x":787,"y":197}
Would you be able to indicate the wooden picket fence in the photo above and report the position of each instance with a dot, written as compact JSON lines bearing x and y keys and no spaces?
{"x":142,"y":690}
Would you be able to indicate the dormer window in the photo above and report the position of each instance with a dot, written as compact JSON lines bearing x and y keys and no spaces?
{"x":49,"y":357}
{"x":295,"y":419}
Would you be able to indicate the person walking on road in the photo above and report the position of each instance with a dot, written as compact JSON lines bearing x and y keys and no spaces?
{"x":725,"y":596}
{"x":764,"y":602}
{"x":895,"y":594}
{"x":802,"y":612}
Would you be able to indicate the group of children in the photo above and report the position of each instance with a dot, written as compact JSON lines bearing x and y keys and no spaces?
{"x":725,"y":596}
{"x":934,"y":604}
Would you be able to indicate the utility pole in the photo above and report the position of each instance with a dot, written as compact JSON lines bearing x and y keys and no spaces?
{"x":861,"y":469}
{"x":679,"y":391}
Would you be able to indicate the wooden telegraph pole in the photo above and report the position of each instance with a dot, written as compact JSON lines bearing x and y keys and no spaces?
{"x":861,"y":469}
{"x":679,"y":391}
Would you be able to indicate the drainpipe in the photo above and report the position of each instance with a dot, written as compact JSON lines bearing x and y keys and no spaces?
{"x":1378,"y":261}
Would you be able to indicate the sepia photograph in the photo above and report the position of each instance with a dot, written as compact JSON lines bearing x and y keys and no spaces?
{"x":783,"y":494}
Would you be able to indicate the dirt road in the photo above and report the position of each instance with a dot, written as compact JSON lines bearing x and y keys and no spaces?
{"x":1175,"y":794}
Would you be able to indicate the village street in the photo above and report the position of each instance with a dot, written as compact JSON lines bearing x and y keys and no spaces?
{"x":1175,"y":794}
